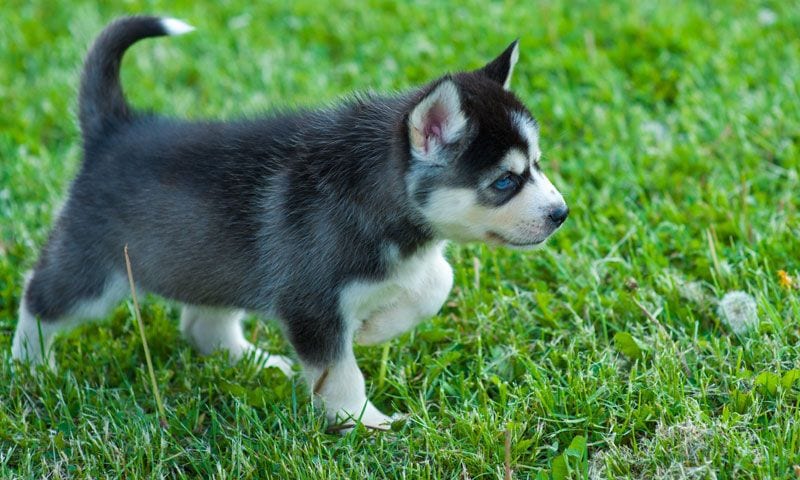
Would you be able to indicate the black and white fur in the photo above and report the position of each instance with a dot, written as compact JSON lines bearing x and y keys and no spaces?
{"x":333,"y":220}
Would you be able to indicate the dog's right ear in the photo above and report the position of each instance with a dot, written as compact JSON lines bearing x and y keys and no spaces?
{"x":501,"y":68}
{"x":436,"y":120}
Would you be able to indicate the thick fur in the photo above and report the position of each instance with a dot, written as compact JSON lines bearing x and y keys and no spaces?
{"x":324,"y":219}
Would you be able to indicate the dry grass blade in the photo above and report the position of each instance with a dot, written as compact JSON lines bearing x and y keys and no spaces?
{"x":162,"y":415}
{"x":321,"y":381}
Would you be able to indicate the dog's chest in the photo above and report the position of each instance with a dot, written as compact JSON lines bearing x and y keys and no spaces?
{"x":423,"y":279}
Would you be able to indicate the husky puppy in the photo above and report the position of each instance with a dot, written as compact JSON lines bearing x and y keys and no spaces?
{"x":332,"y":221}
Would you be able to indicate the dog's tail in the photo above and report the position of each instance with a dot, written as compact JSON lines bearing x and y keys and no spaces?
{"x":102,"y":104}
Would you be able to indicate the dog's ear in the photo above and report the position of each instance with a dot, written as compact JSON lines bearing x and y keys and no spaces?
{"x":501,"y":68}
{"x":436,"y":120}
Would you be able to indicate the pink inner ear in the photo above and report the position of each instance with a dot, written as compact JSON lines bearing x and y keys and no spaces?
{"x":433,"y":125}
{"x":435,"y":130}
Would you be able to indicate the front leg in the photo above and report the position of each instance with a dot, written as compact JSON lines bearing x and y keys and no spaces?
{"x":324,"y":345}
{"x":389,"y":323}
{"x":339,"y":388}
{"x":420,"y":296}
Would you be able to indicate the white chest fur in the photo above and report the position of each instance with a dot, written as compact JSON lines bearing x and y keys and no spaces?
{"x":416,"y":290}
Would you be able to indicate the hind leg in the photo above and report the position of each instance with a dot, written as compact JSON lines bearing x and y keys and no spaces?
{"x":54,"y":301}
{"x":209,"y":329}
{"x":33,"y":339}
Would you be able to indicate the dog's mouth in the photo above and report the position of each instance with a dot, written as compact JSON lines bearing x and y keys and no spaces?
{"x":495,"y":237}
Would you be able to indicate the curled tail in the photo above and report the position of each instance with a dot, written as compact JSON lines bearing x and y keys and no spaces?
{"x":101,"y":103}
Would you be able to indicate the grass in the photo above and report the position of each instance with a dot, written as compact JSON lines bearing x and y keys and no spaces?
{"x":672,"y":127}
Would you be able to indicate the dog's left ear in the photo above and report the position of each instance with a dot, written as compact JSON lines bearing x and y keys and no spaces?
{"x":501,"y":68}
{"x":436,"y":120}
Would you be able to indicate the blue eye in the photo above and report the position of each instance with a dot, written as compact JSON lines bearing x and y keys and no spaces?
{"x":504,"y":183}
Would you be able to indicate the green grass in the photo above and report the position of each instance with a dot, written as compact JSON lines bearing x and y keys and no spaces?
{"x":672,"y":127}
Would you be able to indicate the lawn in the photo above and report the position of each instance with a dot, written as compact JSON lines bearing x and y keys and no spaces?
{"x":673,"y":128}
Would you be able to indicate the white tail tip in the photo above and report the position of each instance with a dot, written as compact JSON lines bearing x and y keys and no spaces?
{"x":173,"y":26}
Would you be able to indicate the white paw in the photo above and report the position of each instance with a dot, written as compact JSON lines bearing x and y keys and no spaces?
{"x":265,"y":359}
{"x":33,"y":362}
{"x":344,"y":420}
{"x":22,"y":352}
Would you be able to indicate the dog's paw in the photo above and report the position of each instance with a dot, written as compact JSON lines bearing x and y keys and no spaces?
{"x":370,"y":417}
{"x":264,"y":359}
{"x":32,"y":361}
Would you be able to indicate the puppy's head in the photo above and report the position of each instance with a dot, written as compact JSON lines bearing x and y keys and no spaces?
{"x":475,"y":171}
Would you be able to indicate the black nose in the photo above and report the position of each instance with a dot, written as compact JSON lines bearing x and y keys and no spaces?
{"x":559,"y":214}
